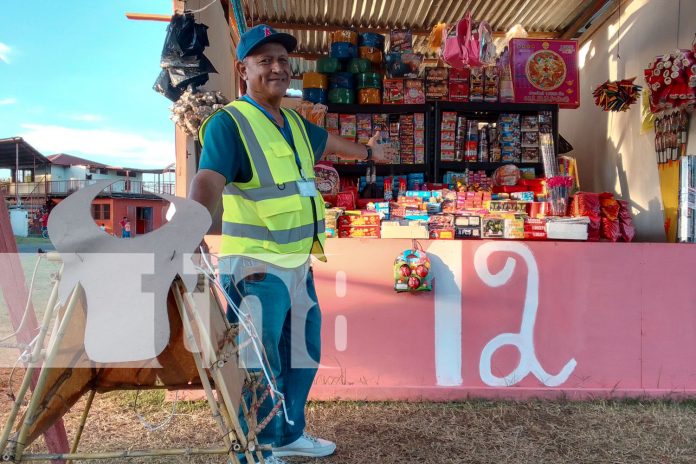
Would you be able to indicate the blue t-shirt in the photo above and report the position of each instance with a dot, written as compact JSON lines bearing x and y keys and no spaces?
{"x":224,"y":152}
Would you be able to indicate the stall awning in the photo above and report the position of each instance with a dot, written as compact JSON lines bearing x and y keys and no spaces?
{"x":311,"y":21}
{"x":28,"y":155}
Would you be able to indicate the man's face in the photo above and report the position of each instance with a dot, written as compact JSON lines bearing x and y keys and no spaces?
{"x":267,"y":70}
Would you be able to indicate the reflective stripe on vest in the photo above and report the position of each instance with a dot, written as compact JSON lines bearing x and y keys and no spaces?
{"x":282,"y":237}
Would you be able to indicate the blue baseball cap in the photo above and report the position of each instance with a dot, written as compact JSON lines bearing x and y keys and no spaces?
{"x":260,"y":35}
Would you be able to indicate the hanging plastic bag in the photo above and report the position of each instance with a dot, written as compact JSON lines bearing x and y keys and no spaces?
{"x":457,"y":52}
{"x":163,"y":85}
{"x":412,"y":271}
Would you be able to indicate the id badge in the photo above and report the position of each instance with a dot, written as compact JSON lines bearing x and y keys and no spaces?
{"x":307,"y":188}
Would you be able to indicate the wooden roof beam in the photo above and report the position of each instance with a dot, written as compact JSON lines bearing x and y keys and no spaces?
{"x":581,"y":20}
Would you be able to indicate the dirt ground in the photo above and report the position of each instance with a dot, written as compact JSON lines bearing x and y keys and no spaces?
{"x":465,"y":432}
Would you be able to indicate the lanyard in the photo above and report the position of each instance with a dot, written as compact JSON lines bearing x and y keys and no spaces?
{"x":285,"y":131}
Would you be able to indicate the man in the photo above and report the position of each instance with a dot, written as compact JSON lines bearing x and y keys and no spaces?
{"x":259,"y":158}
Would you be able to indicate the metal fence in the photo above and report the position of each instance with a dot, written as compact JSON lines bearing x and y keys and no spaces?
{"x":66,"y":187}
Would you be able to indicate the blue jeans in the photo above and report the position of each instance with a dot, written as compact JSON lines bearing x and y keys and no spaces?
{"x":286,"y":300}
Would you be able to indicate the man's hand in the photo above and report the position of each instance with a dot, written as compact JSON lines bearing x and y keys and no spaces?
{"x":381,"y":153}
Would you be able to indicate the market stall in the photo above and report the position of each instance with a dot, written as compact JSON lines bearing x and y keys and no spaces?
{"x":488,"y":255}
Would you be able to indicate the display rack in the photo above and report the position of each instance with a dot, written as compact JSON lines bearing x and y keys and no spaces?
{"x":434,"y":167}
{"x":482,"y":111}
{"x":358,"y":169}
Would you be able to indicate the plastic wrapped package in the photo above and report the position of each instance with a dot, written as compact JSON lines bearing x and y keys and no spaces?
{"x":315,"y":80}
{"x":587,"y":204}
{"x":628,"y":230}
{"x":326,"y":179}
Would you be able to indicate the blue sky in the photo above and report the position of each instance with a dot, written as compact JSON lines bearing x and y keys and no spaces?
{"x":76,"y":77}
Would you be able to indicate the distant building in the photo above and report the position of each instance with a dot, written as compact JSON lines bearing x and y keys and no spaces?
{"x":37,"y":183}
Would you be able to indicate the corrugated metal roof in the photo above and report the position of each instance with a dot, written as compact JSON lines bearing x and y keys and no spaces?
{"x":309,"y":17}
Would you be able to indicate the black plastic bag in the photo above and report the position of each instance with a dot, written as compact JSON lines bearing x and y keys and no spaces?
{"x":192,"y":37}
{"x":184,"y":37}
{"x":163,"y":86}
{"x":183,"y":77}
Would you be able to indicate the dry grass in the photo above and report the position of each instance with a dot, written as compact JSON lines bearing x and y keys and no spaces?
{"x":466,"y":432}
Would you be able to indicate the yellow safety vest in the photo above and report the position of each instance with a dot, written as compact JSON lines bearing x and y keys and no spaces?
{"x":267,"y":218}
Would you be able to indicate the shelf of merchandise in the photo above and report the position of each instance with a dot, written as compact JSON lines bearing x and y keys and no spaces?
{"x":358,"y":169}
{"x":483,"y":111}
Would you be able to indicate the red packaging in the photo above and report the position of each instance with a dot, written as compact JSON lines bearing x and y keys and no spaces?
{"x":345,"y":200}
{"x":414,"y":92}
{"x":359,"y":232}
{"x":393,"y":92}
{"x":587,"y":204}
{"x":609,"y":206}
{"x":365,"y":219}
{"x":545,"y":71}
{"x":610,"y":229}
{"x":459,"y":92}
{"x":628,"y":231}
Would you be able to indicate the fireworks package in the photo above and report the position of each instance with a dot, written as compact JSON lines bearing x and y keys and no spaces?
{"x":588,"y":204}
{"x":412,"y":271}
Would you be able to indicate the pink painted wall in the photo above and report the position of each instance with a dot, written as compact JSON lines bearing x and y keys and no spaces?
{"x":621,"y":317}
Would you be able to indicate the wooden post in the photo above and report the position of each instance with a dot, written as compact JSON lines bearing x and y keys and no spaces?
{"x":14,"y":290}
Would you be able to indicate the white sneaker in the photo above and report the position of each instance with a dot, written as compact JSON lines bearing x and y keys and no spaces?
{"x":307,"y":446}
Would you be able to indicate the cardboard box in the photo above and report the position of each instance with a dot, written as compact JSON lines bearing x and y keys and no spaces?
{"x":393,"y":92}
{"x":359,"y":232}
{"x":414,"y":92}
{"x":545,"y":71}
{"x":365,"y":219}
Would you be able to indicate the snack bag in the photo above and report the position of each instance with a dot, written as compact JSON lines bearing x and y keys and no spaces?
{"x":412,"y":271}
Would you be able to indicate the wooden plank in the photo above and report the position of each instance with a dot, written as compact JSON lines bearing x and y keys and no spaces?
{"x":149,"y":17}
{"x":581,"y":20}
{"x":14,"y":289}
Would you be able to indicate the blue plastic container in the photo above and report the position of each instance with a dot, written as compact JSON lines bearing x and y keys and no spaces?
{"x":342,"y":80}
{"x":315,"y":95}
{"x":370,"y":39}
{"x":343,"y":50}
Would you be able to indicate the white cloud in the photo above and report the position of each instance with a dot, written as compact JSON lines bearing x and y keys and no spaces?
{"x":5,"y":52}
{"x":86,"y":117}
{"x":8,"y":101}
{"x":118,"y":148}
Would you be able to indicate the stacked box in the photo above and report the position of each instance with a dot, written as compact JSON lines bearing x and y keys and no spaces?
{"x":509,"y":134}
{"x":534,"y":229}
{"x":359,"y":231}
{"x":394,"y":136}
{"x":332,"y":121}
{"x":393,"y":92}
{"x":472,"y":140}
{"x":459,"y":84}
{"x":514,"y":227}
{"x":476,"y":84}
{"x":468,"y":226}
{"x":348,"y":126}
{"x":448,"y":130}
{"x":530,"y":138}
{"x":436,"y":84}
{"x":364,"y":131}
{"x":491,"y":86}
{"x":419,"y":138}
{"x":414,"y":92}
{"x":406,"y":138}
{"x":362,"y":219}
{"x":460,"y":139}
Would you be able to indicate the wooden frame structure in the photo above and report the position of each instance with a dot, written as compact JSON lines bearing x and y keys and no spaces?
{"x":213,"y":363}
